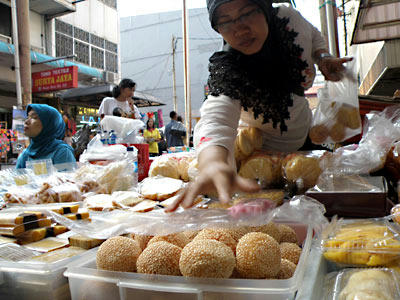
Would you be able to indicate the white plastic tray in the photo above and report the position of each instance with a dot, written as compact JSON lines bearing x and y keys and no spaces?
{"x":35,"y":280}
{"x":86,"y":282}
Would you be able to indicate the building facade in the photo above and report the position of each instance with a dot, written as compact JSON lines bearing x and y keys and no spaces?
{"x":147,"y":56}
{"x":86,"y":34}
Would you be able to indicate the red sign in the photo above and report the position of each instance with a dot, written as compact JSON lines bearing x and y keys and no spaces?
{"x":55,"y":79}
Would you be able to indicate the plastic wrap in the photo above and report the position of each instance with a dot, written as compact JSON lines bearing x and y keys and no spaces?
{"x":127,"y":130}
{"x":357,"y":284}
{"x":174,"y":165}
{"x":368,"y":243}
{"x":302,"y":209}
{"x":337,"y":117}
{"x":96,"y":151}
{"x":41,"y":166}
{"x":344,"y":183}
{"x":381,"y":130}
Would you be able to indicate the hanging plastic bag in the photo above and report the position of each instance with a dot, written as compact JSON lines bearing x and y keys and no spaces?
{"x":337,"y":117}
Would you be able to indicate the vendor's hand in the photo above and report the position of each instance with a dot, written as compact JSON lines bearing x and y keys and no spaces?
{"x":217,"y":176}
{"x":332,"y":68}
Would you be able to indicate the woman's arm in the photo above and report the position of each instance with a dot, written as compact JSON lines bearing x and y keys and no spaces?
{"x":214,"y":139}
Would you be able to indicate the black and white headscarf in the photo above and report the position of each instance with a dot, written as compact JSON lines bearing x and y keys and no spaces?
{"x":265,"y":81}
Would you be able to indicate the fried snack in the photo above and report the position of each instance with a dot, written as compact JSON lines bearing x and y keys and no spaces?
{"x":207,"y":258}
{"x":300,"y":167}
{"x":256,"y":137}
{"x":144,"y":206}
{"x":364,"y":244}
{"x":337,"y":132}
{"x":291,"y":252}
{"x":38,"y":234}
{"x":118,"y":254}
{"x":271,"y":229}
{"x":84,"y":242}
{"x":262,"y":168}
{"x":165,"y":167}
{"x":287,"y":234}
{"x":177,"y":239}
{"x":123,"y":199}
{"x":160,"y":258}
{"x":273,"y":195}
{"x":370,"y":284}
{"x":287,"y":269}
{"x":349,"y":116}
{"x":142,"y":240}
{"x":218,"y":234}
{"x":19,"y":229}
{"x":99,"y":202}
{"x":258,"y":256}
{"x":183,"y":167}
{"x":319,"y":134}
{"x":160,"y":188}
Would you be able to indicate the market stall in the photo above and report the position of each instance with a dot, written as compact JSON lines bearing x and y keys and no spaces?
{"x":97,"y":231}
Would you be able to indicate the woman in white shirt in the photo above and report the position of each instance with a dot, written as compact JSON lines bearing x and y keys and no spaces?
{"x":259,"y":80}
{"x":122,"y":99}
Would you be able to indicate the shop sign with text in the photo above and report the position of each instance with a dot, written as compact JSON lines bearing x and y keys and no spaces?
{"x":55,"y":79}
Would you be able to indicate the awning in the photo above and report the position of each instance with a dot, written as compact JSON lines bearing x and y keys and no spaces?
{"x":52,"y":8}
{"x":88,"y":72}
{"x":93,"y":95}
{"x":377,"y":20}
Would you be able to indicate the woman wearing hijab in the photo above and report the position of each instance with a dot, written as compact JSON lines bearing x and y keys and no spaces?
{"x":46,"y":129}
{"x":260,"y":81}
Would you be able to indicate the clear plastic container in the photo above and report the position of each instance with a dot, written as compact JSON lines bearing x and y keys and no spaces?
{"x":35,"y":280}
{"x":371,"y":283}
{"x":362,"y":243}
{"x":86,"y":282}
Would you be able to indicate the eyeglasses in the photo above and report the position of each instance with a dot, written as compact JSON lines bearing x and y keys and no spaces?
{"x":244,"y":19}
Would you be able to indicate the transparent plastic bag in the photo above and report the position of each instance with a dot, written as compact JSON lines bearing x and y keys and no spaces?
{"x":41,"y":167}
{"x":173,"y":165}
{"x":381,"y":130}
{"x":127,"y":130}
{"x":367,"y":243}
{"x":302,"y":210}
{"x":337,"y":117}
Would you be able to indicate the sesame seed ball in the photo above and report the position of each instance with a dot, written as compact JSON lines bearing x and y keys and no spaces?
{"x":178,"y":239}
{"x":118,"y":254}
{"x":220,"y":235}
{"x":287,"y":269}
{"x":191,"y":234}
{"x":238,"y":232}
{"x":207,"y":258}
{"x":291,"y":252}
{"x":258,"y":256}
{"x":288,"y":235}
{"x":271,"y":229}
{"x":142,"y":240}
{"x":160,"y":258}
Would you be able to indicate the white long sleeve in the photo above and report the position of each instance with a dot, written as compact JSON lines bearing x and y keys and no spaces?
{"x":218,"y":124}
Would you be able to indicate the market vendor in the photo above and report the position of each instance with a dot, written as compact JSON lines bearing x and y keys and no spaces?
{"x":259,"y":79}
{"x":121,"y":100}
{"x":46,"y":129}
{"x":152,"y":137}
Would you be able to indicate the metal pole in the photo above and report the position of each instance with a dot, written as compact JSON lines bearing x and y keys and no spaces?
{"x":16,"y":54}
{"x":322,"y":17}
{"x":174,"y":74}
{"x":188,"y":104}
{"x":331,"y":27}
{"x":25,"y":50}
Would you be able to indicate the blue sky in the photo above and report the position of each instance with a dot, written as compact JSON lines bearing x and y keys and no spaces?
{"x":308,"y":8}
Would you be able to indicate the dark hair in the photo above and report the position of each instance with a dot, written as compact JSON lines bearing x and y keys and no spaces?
{"x":172,"y":114}
{"x":125,"y":83}
{"x":117,"y":112}
{"x":147,"y":124}
{"x":179,"y":119}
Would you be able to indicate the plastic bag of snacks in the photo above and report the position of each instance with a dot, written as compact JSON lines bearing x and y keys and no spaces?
{"x":337,"y":117}
{"x":173,"y":165}
{"x":371,"y":283}
{"x":381,"y":130}
{"x":366,"y":243}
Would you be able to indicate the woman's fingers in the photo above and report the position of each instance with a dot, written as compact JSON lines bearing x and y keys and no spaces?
{"x":177,"y":201}
{"x":247,"y":185}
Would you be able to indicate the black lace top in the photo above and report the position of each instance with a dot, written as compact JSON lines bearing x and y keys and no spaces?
{"x":264,"y":81}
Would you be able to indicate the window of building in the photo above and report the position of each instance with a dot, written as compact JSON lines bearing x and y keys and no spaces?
{"x":5,"y":24}
{"x":82,"y":52}
{"x":88,"y":48}
{"x":111,"y":62}
{"x":64,"y":45}
{"x":97,"y":58}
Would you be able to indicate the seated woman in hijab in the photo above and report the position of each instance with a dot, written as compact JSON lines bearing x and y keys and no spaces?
{"x":259,"y":79}
{"x":46,"y":129}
